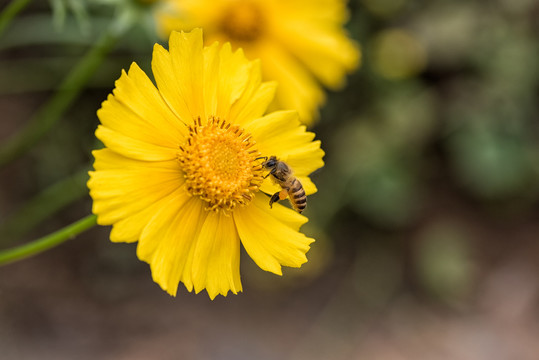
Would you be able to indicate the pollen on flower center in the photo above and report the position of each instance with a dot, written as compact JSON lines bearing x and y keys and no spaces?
{"x":220,"y":165}
{"x":242,"y":21}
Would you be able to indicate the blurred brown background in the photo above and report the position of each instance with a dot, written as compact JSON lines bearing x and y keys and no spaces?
{"x":426,"y":220}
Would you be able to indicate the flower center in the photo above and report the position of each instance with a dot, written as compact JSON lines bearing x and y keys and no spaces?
{"x":242,"y":21}
{"x":220,"y":164}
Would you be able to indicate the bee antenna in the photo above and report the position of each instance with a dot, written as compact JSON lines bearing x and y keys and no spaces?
{"x":262,"y":157}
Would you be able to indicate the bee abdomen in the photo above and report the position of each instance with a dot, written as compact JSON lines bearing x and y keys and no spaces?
{"x":298,"y":197}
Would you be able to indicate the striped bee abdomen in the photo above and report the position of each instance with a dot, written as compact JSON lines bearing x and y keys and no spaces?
{"x":297,"y":196}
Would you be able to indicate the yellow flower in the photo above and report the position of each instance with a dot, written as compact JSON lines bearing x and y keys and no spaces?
{"x":301,"y":42}
{"x":179,"y":172}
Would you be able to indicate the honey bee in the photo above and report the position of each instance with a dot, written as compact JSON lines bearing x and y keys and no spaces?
{"x":282,"y":174}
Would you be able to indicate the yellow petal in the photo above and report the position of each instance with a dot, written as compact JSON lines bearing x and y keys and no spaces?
{"x":328,"y":53}
{"x":132,"y":148}
{"x":257,"y":104}
{"x":319,"y":42}
{"x":211,"y":73}
{"x":137,"y":110}
{"x":308,"y":185}
{"x":234,"y":72}
{"x":298,"y":89}
{"x":168,"y":85}
{"x":121,"y":187}
{"x":216,"y":261}
{"x":129,"y":229}
{"x":283,"y":213}
{"x":269,"y":241}
{"x":315,"y":11}
{"x":186,"y":52}
{"x":240,"y":95}
{"x":168,"y":239}
{"x":255,"y":98}
{"x":279,"y":134}
{"x":188,"y":14}
{"x":179,"y":74}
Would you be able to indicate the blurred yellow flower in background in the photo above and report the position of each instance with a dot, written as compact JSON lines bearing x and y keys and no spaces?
{"x":179,"y":172}
{"x":302,"y":43}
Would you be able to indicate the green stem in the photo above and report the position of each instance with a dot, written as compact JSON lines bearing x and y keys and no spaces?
{"x":7,"y":15}
{"x":47,"y":242}
{"x":44,"y":205}
{"x":69,"y":89}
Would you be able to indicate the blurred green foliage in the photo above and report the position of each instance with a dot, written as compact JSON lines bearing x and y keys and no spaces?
{"x":444,"y":262}
{"x":445,"y":105}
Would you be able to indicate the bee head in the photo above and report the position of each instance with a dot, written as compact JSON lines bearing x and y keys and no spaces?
{"x":271,"y":162}
{"x":268,"y":163}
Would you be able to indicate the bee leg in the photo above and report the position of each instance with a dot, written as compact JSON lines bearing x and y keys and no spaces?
{"x":270,"y":173}
{"x":283,"y":194}
{"x":274,"y":198}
